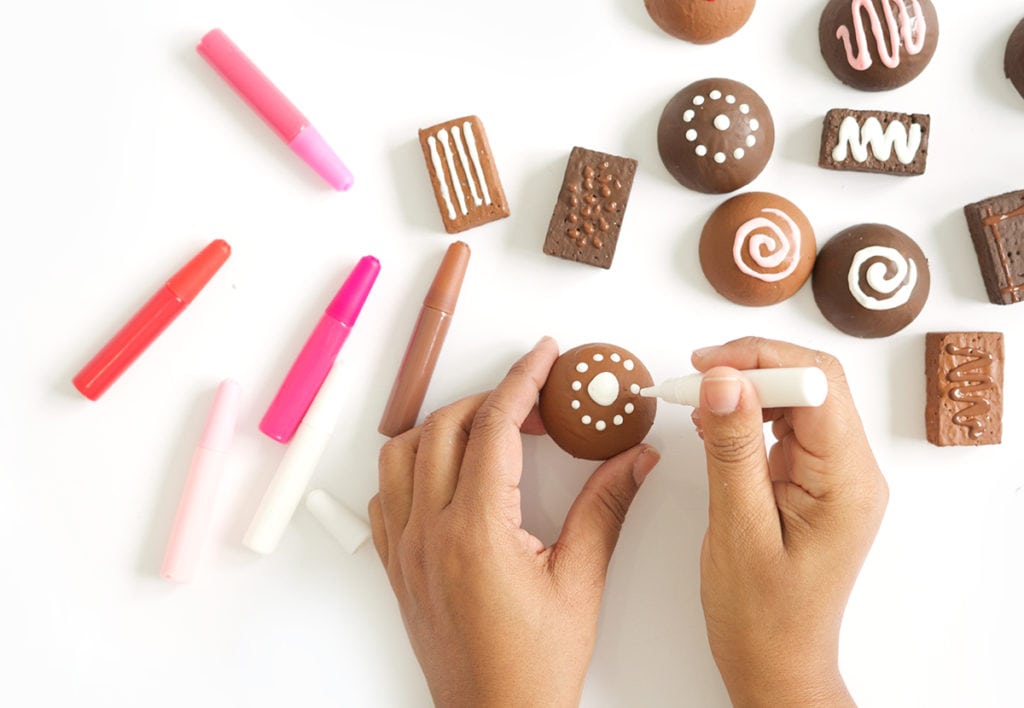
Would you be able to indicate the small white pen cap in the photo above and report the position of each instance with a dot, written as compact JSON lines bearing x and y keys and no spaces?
{"x":339,"y":521}
{"x":296,"y":468}
{"x":777,"y":388}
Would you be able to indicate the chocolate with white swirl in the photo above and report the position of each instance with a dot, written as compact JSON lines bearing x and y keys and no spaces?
{"x":757,"y":249}
{"x":871,"y":280}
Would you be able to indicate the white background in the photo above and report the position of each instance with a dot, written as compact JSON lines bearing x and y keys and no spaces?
{"x":123,"y":154}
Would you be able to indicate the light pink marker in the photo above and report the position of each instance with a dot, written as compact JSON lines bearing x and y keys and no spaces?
{"x":317,"y":356}
{"x":195,"y":510}
{"x":273,"y":107}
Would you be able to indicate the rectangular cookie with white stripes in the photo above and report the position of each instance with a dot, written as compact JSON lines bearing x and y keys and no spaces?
{"x":463,"y":174}
{"x":875,"y":141}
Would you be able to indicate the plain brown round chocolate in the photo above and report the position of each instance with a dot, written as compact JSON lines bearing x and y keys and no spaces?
{"x":757,"y":249}
{"x":700,"y":21}
{"x":867,"y":62}
{"x":716,"y":136}
{"x":1013,"y":62}
{"x":871,"y":280}
{"x":591,"y":404}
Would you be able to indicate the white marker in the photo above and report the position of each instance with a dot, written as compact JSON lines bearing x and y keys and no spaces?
{"x":297,"y":466}
{"x":339,"y":521}
{"x":777,"y":388}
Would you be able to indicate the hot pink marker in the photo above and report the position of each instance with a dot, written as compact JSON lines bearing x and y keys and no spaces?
{"x":273,"y":107}
{"x":317,"y":356}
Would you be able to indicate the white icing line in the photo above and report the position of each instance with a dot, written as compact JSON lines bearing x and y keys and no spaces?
{"x":855,"y":139}
{"x":435,"y":160}
{"x":449,"y":157}
{"x":457,"y":136}
{"x":467,"y":127}
{"x":899,"y":287}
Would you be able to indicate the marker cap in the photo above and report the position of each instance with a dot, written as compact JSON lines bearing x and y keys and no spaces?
{"x":444,"y":291}
{"x":348,"y":303}
{"x":188,"y":281}
{"x":311,"y":147}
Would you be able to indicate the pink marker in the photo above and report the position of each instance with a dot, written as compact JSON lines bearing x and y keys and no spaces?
{"x":273,"y":107}
{"x":195,"y":510}
{"x":317,"y":356}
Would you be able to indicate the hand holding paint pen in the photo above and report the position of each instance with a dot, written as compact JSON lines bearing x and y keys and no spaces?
{"x":273,"y":107}
{"x":776,"y":388}
{"x":297,"y":466}
{"x":195,"y":510}
{"x":318,"y":354}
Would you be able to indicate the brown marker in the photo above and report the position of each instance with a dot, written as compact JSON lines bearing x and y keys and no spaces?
{"x":425,"y":345}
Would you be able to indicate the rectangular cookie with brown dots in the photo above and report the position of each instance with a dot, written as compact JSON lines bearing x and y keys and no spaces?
{"x":875,"y":141}
{"x":997,"y":229}
{"x":964,"y":372}
{"x":463,"y":174}
{"x":591,"y":203}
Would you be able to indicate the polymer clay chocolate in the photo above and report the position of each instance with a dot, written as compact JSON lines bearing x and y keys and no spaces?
{"x":964,"y":372}
{"x":1013,"y":61}
{"x":997,"y":229}
{"x":463,"y":174}
{"x":875,"y":141}
{"x":716,"y":136}
{"x":591,"y":204}
{"x":591,"y":404}
{"x":757,"y":249}
{"x":871,"y":280}
{"x":877,"y":45}
{"x":700,"y":21}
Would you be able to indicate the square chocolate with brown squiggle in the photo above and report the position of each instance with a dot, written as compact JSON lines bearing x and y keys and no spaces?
{"x":965,"y":388}
{"x":591,"y":204}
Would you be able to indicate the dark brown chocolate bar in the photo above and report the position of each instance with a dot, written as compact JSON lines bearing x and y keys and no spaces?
{"x":463,"y":174}
{"x":997,"y":229}
{"x":875,"y":141}
{"x":591,"y":204}
{"x":964,"y":373}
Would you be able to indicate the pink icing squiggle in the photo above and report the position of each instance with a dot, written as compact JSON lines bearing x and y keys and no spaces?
{"x":912,"y":29}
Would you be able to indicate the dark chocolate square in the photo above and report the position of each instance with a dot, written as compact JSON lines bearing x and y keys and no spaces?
{"x":590,"y":207}
{"x":997,"y":229}
{"x":964,"y":372}
{"x":858,"y":141}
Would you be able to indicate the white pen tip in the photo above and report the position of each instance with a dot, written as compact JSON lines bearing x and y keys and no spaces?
{"x":649,"y":392}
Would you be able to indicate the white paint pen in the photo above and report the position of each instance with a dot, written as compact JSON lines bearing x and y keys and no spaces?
{"x":776,"y":388}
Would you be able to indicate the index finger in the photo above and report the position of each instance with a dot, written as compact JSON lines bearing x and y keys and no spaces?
{"x":493,"y":463}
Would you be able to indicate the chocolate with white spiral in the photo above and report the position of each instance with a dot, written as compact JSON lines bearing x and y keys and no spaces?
{"x":768,"y":248}
{"x":882,"y":278}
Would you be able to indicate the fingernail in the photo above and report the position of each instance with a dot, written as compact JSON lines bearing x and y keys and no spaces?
{"x":644,"y":463}
{"x":706,"y":351}
{"x":722,"y":394}
{"x":543,"y":340}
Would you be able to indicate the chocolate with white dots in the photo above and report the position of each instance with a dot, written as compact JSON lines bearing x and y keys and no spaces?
{"x":591,"y":404}
{"x":716,"y":136}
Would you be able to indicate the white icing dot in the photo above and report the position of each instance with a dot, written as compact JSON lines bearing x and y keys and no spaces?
{"x":722,"y":121}
{"x":701,"y":151}
{"x":599,"y":357}
{"x":616,"y":358}
{"x":744,"y":109}
{"x":586,"y":420}
{"x":755,"y":124}
{"x":577,"y":385}
{"x":751,"y":141}
{"x":634,"y":389}
{"x":739,"y":153}
{"x":628,"y":365}
{"x":630,"y":408}
{"x":689,"y":115}
{"x":617,"y":420}
{"x":691,"y":135}
{"x":604,"y":389}
{"x":730,"y":99}
{"x":698,"y":100}
{"x":600,"y":425}
{"x":715,"y":95}
{"x":720,"y":157}
{"x":575,"y":405}
{"x":582,"y":367}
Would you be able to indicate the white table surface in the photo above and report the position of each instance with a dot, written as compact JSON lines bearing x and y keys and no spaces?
{"x":124,"y":154}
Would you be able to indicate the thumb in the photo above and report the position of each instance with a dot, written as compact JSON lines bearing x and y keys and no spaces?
{"x":741,"y":496}
{"x":595,"y":519}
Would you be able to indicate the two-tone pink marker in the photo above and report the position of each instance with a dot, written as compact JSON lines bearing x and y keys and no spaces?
{"x":273,"y":107}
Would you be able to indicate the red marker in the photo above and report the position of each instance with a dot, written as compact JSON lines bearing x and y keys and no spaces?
{"x":147,"y":324}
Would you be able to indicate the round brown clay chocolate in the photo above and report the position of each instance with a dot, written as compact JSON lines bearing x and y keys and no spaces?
{"x":871,"y":280}
{"x":1013,"y":62}
{"x":591,"y":404}
{"x":877,"y":45}
{"x":757,"y":249}
{"x":700,"y":21}
{"x":716,"y":136}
